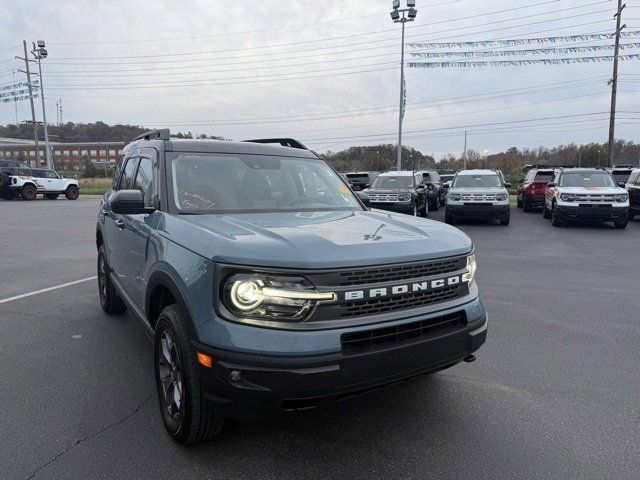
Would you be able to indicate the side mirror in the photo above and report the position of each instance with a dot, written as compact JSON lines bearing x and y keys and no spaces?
{"x":364,"y":198}
{"x":128,"y":202}
{"x":507,"y":184}
{"x":551,"y":185}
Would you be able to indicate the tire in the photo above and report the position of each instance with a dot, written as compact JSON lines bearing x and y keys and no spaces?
{"x":526,"y":206}
{"x":556,"y":221}
{"x":4,"y":179}
{"x":110,"y":302}
{"x":519,"y":201}
{"x":621,"y":224}
{"x":449,"y":219}
{"x":72,"y":192}
{"x":443,"y":201}
{"x":505,"y":221}
{"x":29,"y":192}
{"x":187,"y":417}
{"x":434,"y":205}
{"x":545,"y":212}
{"x":51,"y":196}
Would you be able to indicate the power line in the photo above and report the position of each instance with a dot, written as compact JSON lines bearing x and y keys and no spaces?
{"x":226,"y":51}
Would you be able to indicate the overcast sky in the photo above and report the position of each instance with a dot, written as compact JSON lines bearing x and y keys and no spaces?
{"x":324,"y":71}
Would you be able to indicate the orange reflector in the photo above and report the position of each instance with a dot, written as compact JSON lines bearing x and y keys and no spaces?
{"x":205,"y":360}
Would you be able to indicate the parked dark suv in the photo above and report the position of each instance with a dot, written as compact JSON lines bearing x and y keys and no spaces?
{"x":532,"y":186}
{"x":361,"y":180}
{"x":266,"y":284}
{"x":633,"y":187}
{"x":399,"y":192}
{"x":435,"y":190}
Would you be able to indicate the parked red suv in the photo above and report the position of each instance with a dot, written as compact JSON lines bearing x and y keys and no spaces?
{"x":531,"y":188}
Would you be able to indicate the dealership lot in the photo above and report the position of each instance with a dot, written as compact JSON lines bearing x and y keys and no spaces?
{"x":554,"y":392}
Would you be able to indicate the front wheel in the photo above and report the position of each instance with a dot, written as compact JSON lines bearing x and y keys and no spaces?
{"x":72,"y":193}
{"x":187,"y":417}
{"x":449,"y":219}
{"x":505,"y":221}
{"x":622,"y":223}
{"x":545,"y":212}
{"x":29,"y":192}
{"x":556,"y":221}
{"x":519,"y":199}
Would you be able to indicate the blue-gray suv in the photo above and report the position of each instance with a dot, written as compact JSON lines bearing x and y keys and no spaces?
{"x":267,"y":285}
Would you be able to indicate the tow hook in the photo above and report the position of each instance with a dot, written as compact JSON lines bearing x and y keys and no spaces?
{"x":469,"y":358}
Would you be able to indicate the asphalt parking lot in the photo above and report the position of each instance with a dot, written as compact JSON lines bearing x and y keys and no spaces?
{"x":554,"y":393}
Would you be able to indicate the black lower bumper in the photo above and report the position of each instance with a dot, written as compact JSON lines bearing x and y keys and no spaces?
{"x":594,"y":213}
{"x":393,"y":206}
{"x":252,"y":387}
{"x":534,"y":201}
{"x":478,"y":211}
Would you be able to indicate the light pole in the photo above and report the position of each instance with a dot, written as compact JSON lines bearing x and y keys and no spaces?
{"x":486,"y":159}
{"x":39,"y":52}
{"x":408,"y":15}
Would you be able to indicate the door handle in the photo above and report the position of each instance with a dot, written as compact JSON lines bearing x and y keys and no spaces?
{"x":119,"y":223}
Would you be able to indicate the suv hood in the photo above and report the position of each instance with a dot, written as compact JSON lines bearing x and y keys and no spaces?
{"x":478,"y":190}
{"x":312,"y":240}
{"x":596,"y":190}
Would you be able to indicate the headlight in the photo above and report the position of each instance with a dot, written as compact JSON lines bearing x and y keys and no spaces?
{"x":456,"y":197}
{"x":471,"y":267}
{"x":565,"y":197}
{"x":623,"y":197}
{"x":502,"y":197}
{"x":272,"y":297}
{"x":405,"y":197}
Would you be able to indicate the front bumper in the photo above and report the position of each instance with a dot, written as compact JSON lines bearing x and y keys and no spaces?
{"x":402,"y":207}
{"x":534,"y":201}
{"x":469,"y":210}
{"x":596,"y":213}
{"x":268,"y":385}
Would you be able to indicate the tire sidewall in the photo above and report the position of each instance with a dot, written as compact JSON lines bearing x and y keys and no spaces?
{"x":72,"y":193}
{"x":29,"y":193}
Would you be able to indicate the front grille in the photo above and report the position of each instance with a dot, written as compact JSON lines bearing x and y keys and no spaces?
{"x":376,"y":306}
{"x":392,"y":197}
{"x":478,"y":197}
{"x":381,"y":338}
{"x":595,"y":198}
{"x":401,"y":272}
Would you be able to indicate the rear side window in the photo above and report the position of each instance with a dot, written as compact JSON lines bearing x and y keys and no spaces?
{"x":38,"y":173}
{"x":128,"y":174}
{"x":144,"y":181}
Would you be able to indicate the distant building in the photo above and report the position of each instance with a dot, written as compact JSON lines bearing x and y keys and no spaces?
{"x":66,"y":156}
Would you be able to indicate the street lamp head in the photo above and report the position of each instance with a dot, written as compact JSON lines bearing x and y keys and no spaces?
{"x":411,"y":3}
{"x":40,"y":44}
{"x":396,"y":4}
{"x":43,"y":53}
{"x":412,"y":13}
{"x":395,"y":15}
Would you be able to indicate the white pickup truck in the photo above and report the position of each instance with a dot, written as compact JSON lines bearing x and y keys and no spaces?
{"x":54,"y":184}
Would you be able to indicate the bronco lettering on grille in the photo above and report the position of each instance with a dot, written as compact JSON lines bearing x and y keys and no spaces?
{"x":402,"y":289}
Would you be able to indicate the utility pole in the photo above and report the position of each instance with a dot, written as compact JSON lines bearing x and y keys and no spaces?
{"x":15,"y":104}
{"x":408,"y":15}
{"x":614,"y":81}
{"x":39,"y":53}
{"x":33,"y":108}
{"x":464,"y":155}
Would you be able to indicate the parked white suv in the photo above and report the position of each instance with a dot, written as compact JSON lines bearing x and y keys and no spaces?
{"x":586,"y":194}
{"x":54,"y":184}
{"x":477,"y":194}
{"x":16,"y":180}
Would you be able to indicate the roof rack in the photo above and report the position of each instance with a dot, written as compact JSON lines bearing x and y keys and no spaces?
{"x":285,"y":142}
{"x":161,"y":134}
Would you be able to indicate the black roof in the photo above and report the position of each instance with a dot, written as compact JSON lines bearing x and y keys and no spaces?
{"x":219,"y":146}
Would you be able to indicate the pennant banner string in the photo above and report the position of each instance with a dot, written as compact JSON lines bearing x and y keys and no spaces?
{"x":514,"y":53}
{"x":518,"y":63}
{"x":525,"y":41}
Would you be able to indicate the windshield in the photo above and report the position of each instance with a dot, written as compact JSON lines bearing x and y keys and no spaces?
{"x":621,"y":175}
{"x":599,"y":179}
{"x":543,"y":177}
{"x":393,"y":182}
{"x":477,"y":181}
{"x":218,"y":183}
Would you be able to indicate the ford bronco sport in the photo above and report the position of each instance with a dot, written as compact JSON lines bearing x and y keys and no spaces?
{"x":477,"y":194}
{"x":267,"y":286}
{"x":399,"y":192}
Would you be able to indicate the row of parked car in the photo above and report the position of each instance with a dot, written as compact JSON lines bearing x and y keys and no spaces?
{"x":570,"y":193}
{"x":17,"y":179}
{"x":563,"y":194}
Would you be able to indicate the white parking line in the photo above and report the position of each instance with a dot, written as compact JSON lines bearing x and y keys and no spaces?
{"x":56,"y":287}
